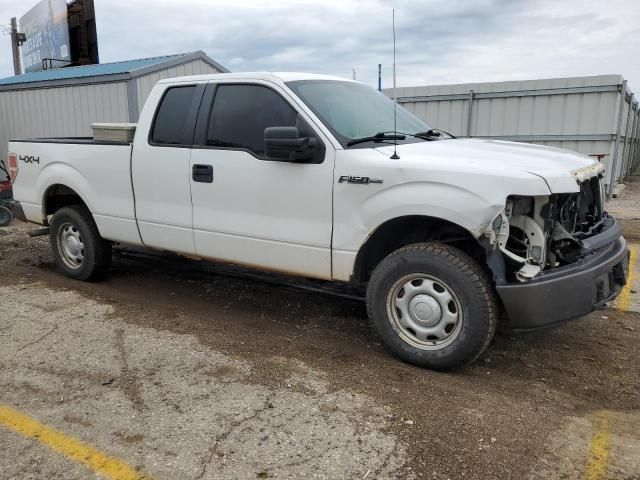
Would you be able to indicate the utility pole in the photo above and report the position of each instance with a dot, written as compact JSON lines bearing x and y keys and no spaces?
{"x":379,"y":77}
{"x":17,"y":39}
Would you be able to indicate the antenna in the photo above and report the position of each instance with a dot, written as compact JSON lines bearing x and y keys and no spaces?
{"x":395,"y":155}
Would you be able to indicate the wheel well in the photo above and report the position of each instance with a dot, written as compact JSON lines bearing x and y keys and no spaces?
{"x":402,"y":231}
{"x":58,"y":196}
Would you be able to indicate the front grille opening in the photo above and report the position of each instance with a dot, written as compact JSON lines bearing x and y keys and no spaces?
{"x":517,"y":242}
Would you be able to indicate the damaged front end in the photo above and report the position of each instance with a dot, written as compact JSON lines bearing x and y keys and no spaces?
{"x":556,"y":257}
{"x":535,"y":234}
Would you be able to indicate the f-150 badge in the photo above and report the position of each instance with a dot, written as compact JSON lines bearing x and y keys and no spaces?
{"x":358,"y":180}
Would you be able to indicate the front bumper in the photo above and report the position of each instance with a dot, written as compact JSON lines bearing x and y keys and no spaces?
{"x":571,"y":291}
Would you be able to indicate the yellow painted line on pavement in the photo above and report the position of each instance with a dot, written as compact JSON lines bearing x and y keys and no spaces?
{"x":624,"y":300}
{"x":97,"y":461}
{"x":598,"y":456}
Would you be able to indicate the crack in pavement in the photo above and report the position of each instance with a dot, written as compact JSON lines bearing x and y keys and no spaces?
{"x":179,"y":407}
{"x":131,"y":383}
{"x":234,"y":425}
{"x":55,"y":327}
{"x":206,"y":463}
{"x":304,"y":461}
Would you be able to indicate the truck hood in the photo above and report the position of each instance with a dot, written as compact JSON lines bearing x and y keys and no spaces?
{"x":561,"y":169}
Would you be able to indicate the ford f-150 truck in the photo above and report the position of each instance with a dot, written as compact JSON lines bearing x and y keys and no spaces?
{"x":310,"y":175}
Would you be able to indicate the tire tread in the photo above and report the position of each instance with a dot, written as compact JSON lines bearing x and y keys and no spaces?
{"x":101,"y":247}
{"x":467,"y":266}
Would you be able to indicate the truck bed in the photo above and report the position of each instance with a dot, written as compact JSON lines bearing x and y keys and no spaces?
{"x":99,"y":172}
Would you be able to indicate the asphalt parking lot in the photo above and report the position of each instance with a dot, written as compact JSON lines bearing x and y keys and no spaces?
{"x":169,"y":370}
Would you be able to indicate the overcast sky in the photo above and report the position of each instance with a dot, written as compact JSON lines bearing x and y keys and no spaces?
{"x":452,"y":41}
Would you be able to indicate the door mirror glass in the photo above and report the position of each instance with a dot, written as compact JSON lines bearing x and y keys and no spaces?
{"x":285,"y":144}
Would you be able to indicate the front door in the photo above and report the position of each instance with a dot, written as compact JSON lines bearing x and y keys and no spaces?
{"x":247,"y":209}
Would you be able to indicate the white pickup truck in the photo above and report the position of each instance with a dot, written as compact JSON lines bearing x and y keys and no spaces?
{"x":308,"y":175}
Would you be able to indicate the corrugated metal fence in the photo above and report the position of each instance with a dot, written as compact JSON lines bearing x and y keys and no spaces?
{"x":597,"y":115}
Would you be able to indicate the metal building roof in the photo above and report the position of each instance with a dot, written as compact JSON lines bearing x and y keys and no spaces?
{"x":94,"y":73}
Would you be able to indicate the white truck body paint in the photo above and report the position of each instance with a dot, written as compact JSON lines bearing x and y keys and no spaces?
{"x":274,"y":215}
{"x":160,"y":176}
{"x":99,"y":174}
{"x":290,"y":217}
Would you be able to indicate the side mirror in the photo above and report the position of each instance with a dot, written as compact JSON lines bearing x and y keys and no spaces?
{"x":285,"y":144}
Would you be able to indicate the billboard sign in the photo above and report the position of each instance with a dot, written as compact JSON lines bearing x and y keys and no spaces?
{"x":47,"y":31}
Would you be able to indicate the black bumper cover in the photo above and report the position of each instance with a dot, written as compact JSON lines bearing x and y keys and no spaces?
{"x":569,"y":292}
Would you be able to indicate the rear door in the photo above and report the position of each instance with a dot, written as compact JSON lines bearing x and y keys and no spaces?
{"x":160,"y":167}
{"x":247,"y":209}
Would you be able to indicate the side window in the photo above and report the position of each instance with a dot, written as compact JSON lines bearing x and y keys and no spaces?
{"x":171,"y":116}
{"x":240,"y":114}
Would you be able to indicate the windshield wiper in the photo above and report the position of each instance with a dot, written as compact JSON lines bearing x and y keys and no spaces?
{"x":432,"y":133}
{"x":429,"y":135}
{"x":378,"y":137}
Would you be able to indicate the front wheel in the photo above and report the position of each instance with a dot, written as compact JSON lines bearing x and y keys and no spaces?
{"x":77,"y":247}
{"x":432,"y":305}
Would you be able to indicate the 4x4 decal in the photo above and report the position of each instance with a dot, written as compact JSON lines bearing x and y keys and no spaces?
{"x":29,"y":159}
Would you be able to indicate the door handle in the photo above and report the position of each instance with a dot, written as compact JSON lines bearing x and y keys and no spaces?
{"x":202,"y":173}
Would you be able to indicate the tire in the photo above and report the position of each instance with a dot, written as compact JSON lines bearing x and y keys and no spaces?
{"x":5,"y":216}
{"x":77,"y":247}
{"x":432,"y":305}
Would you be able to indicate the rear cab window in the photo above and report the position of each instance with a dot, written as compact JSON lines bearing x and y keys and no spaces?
{"x":169,"y":124}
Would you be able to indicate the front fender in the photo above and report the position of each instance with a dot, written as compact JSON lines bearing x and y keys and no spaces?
{"x":354,"y":226}
{"x":439,"y":200}
{"x":449,"y":202}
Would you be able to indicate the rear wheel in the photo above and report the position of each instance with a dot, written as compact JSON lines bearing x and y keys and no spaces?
{"x":432,"y":305}
{"x":77,"y":247}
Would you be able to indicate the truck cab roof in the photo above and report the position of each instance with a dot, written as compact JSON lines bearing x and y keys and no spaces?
{"x":272,"y":76}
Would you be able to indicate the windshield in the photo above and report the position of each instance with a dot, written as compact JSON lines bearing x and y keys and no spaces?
{"x":353,"y":110}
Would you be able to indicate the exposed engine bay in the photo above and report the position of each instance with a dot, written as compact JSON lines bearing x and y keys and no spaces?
{"x":545,"y":232}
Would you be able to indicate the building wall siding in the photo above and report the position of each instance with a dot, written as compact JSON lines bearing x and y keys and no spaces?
{"x":69,"y":111}
{"x":572,"y":111}
{"x":60,"y":111}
